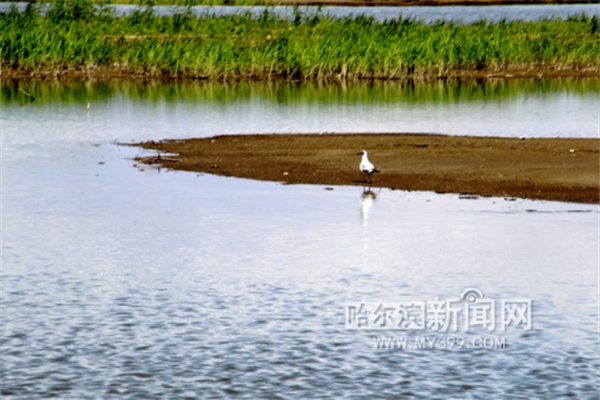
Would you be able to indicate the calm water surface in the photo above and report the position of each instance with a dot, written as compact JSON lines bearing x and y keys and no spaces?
{"x":460,"y":14}
{"x":120,"y":283}
{"x":123,"y":110}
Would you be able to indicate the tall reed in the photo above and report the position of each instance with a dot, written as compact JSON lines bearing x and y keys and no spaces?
{"x":78,"y":36}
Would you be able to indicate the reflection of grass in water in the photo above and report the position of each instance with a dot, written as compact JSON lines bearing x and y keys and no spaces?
{"x":361,"y":92}
{"x":193,"y":2}
{"x":75,"y":35}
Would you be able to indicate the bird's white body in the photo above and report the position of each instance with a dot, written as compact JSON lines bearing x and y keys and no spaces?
{"x":366,"y":167}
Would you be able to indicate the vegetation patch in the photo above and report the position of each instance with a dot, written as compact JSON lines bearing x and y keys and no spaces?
{"x":79,"y":36}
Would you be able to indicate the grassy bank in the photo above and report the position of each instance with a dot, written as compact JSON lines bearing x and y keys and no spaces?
{"x":76,"y":37}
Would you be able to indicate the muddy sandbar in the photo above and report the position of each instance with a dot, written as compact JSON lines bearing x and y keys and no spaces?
{"x":547,"y":169}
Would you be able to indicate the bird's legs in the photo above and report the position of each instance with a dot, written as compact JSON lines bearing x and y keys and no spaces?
{"x":369,"y":177}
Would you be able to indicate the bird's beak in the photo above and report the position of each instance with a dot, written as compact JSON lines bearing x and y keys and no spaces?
{"x":359,"y":154}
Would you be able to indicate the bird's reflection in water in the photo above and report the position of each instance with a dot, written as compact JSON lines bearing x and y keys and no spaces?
{"x":367,"y":198}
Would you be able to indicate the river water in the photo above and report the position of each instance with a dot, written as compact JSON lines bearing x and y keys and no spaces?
{"x":127,"y":283}
{"x":427,"y":14}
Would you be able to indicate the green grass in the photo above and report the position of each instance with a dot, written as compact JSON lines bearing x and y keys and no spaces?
{"x":76,"y":36}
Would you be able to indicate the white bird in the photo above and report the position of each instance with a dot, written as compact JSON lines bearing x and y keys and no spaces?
{"x":366,"y":167}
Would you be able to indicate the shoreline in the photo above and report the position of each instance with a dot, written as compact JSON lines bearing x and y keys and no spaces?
{"x":358,"y":3}
{"x":420,"y":3}
{"x":553,"y":169}
{"x":74,"y":74}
